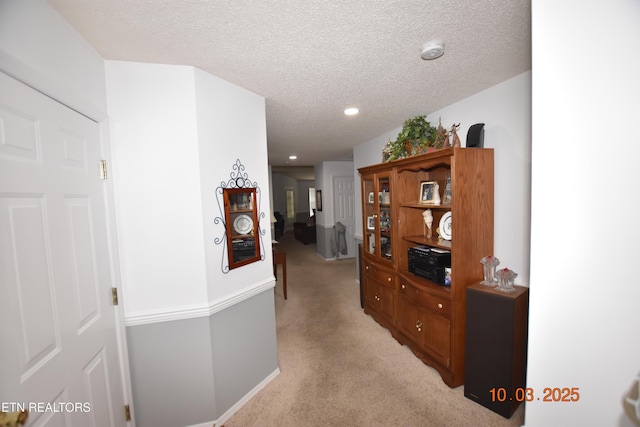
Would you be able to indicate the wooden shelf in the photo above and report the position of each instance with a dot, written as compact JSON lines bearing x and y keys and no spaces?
{"x":426,"y":316}
{"x":445,"y":206}
{"x":434,"y":242}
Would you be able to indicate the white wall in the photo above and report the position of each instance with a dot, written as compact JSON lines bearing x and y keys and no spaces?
{"x":38,"y":47}
{"x":157,"y":186}
{"x":506,"y":111}
{"x":232,"y":127}
{"x":584,"y":316}
{"x":180,"y":136}
{"x":175,"y":132}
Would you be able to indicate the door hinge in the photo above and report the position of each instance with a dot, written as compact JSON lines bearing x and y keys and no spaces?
{"x":127,"y":413}
{"x":103,"y":169}
{"x":114,"y":296}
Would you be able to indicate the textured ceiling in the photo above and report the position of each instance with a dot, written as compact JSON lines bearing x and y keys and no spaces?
{"x":311,"y":59}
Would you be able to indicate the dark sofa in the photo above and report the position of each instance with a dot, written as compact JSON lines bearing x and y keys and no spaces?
{"x":304,"y":233}
{"x":279,"y":225}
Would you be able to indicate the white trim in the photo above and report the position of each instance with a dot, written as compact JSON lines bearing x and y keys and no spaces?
{"x":194,"y":311}
{"x":247,"y":397}
{"x":114,"y":265}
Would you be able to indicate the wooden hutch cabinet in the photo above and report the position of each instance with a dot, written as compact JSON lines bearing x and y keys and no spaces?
{"x":425,"y":315}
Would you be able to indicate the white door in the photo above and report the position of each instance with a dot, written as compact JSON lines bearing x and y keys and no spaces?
{"x":344,"y":209}
{"x":58,"y":349}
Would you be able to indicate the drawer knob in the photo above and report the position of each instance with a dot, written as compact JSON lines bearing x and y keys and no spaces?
{"x":440,"y":305}
{"x":403,"y":286}
{"x":388,"y":279}
{"x":419,"y":325}
{"x":366,"y":267}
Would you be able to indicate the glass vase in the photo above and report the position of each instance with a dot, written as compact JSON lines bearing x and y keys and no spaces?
{"x":505,"y":280}
{"x":489,"y":264}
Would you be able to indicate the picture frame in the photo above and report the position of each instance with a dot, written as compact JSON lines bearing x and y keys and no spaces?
{"x":319,"y":200}
{"x":447,"y":190}
{"x":371,"y":223}
{"x":428,"y":191}
{"x":447,"y":276}
{"x":371,"y":197}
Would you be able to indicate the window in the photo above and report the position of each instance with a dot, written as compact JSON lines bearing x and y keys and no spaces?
{"x":291,"y":205}
{"x":312,"y":200}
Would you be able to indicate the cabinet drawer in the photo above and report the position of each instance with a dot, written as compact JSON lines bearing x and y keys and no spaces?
{"x":382,"y":276}
{"x":439,"y":305}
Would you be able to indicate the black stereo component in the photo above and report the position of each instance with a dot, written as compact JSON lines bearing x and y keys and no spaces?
{"x":243,"y":249}
{"x":429,"y":263}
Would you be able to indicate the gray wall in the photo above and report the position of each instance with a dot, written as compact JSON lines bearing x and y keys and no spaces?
{"x":323,"y":236}
{"x":171,"y":372}
{"x":243,"y":339}
{"x":177,"y":366}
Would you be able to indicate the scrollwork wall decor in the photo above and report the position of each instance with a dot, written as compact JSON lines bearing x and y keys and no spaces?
{"x":239,"y":201}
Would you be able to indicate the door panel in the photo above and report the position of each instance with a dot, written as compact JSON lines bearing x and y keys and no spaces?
{"x":437,"y":337}
{"x":409,"y":320}
{"x":57,"y":324}
{"x":387,"y":302}
{"x":83,"y":262}
{"x":27,"y":256}
{"x":371,"y":293}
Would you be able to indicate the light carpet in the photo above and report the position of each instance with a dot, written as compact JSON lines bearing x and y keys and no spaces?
{"x":338,"y":367}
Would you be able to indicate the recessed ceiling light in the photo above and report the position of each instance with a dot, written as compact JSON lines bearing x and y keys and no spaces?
{"x":293,"y":157}
{"x":432,"y":49}
{"x":351,"y":111}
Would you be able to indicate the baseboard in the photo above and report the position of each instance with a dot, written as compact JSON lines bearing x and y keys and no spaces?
{"x":247,"y":397}
{"x":207,"y":424}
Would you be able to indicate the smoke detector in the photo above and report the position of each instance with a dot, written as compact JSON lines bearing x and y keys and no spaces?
{"x":432,"y":50}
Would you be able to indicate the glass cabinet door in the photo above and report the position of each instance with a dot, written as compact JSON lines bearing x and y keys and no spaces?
{"x":369,"y":210}
{"x":377,"y":216}
{"x":384,"y":217}
{"x":241,"y":219}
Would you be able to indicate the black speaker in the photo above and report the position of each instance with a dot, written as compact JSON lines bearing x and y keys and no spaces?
{"x":496,"y":348}
{"x":475,"y":136}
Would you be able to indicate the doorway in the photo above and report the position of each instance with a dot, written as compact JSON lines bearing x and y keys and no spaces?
{"x":344,"y":210}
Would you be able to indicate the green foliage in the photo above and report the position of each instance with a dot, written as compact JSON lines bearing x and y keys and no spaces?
{"x":416,"y":137}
